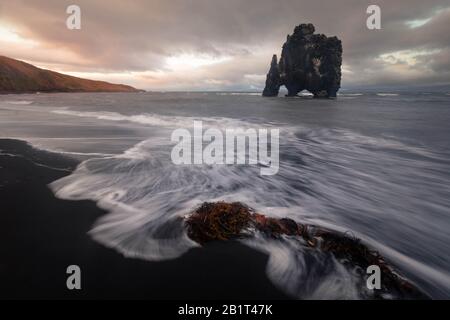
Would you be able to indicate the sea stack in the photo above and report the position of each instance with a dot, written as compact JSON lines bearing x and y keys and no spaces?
{"x":309,"y":62}
{"x":273,"y":79}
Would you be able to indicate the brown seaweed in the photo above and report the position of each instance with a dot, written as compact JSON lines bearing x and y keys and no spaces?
{"x":220,"y":221}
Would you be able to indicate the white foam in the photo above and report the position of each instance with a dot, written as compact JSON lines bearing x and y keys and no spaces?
{"x":19,"y":102}
{"x":160,"y":120}
{"x":350,"y":94}
{"x":238,"y":93}
{"x":387,"y":94}
{"x":39,"y":145}
{"x":341,"y":182}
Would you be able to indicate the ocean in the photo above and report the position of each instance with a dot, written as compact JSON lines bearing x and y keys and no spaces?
{"x":375,"y":165}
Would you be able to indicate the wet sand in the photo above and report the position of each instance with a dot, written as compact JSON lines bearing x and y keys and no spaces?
{"x":42,"y":235}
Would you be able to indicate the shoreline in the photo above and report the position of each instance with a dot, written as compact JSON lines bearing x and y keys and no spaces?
{"x":54,"y":92}
{"x":43,"y":235}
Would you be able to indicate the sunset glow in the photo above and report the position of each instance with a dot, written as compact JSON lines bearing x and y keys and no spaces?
{"x":184,"y":52}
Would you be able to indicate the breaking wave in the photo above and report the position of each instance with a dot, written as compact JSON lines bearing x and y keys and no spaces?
{"x":158,"y":120}
{"x":330,"y":177}
{"x":387,"y":94}
{"x":19,"y":102}
{"x":238,"y":93}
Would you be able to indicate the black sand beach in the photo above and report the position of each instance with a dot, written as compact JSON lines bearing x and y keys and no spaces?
{"x":42,"y":235}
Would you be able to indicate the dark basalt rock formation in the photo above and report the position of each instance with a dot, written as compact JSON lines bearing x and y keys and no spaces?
{"x":221,"y":221}
{"x":273,"y":79}
{"x":308,"y":62}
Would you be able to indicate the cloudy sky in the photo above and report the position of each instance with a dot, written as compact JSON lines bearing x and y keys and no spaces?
{"x":225,"y":45}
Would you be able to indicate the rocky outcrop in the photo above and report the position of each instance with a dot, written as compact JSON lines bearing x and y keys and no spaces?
{"x":20,"y":77}
{"x":273,"y":79}
{"x":222,"y":221}
{"x":309,"y":62}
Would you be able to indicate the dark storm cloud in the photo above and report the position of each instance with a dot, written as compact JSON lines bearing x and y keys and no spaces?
{"x":120,"y":36}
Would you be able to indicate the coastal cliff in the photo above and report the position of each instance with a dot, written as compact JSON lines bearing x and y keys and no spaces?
{"x":20,"y":77}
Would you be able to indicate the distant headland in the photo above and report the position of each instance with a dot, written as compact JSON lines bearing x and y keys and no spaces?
{"x":20,"y":77}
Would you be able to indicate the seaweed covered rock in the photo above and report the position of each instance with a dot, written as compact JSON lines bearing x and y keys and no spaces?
{"x":308,"y":62}
{"x":221,"y":221}
{"x":218,"y":221}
